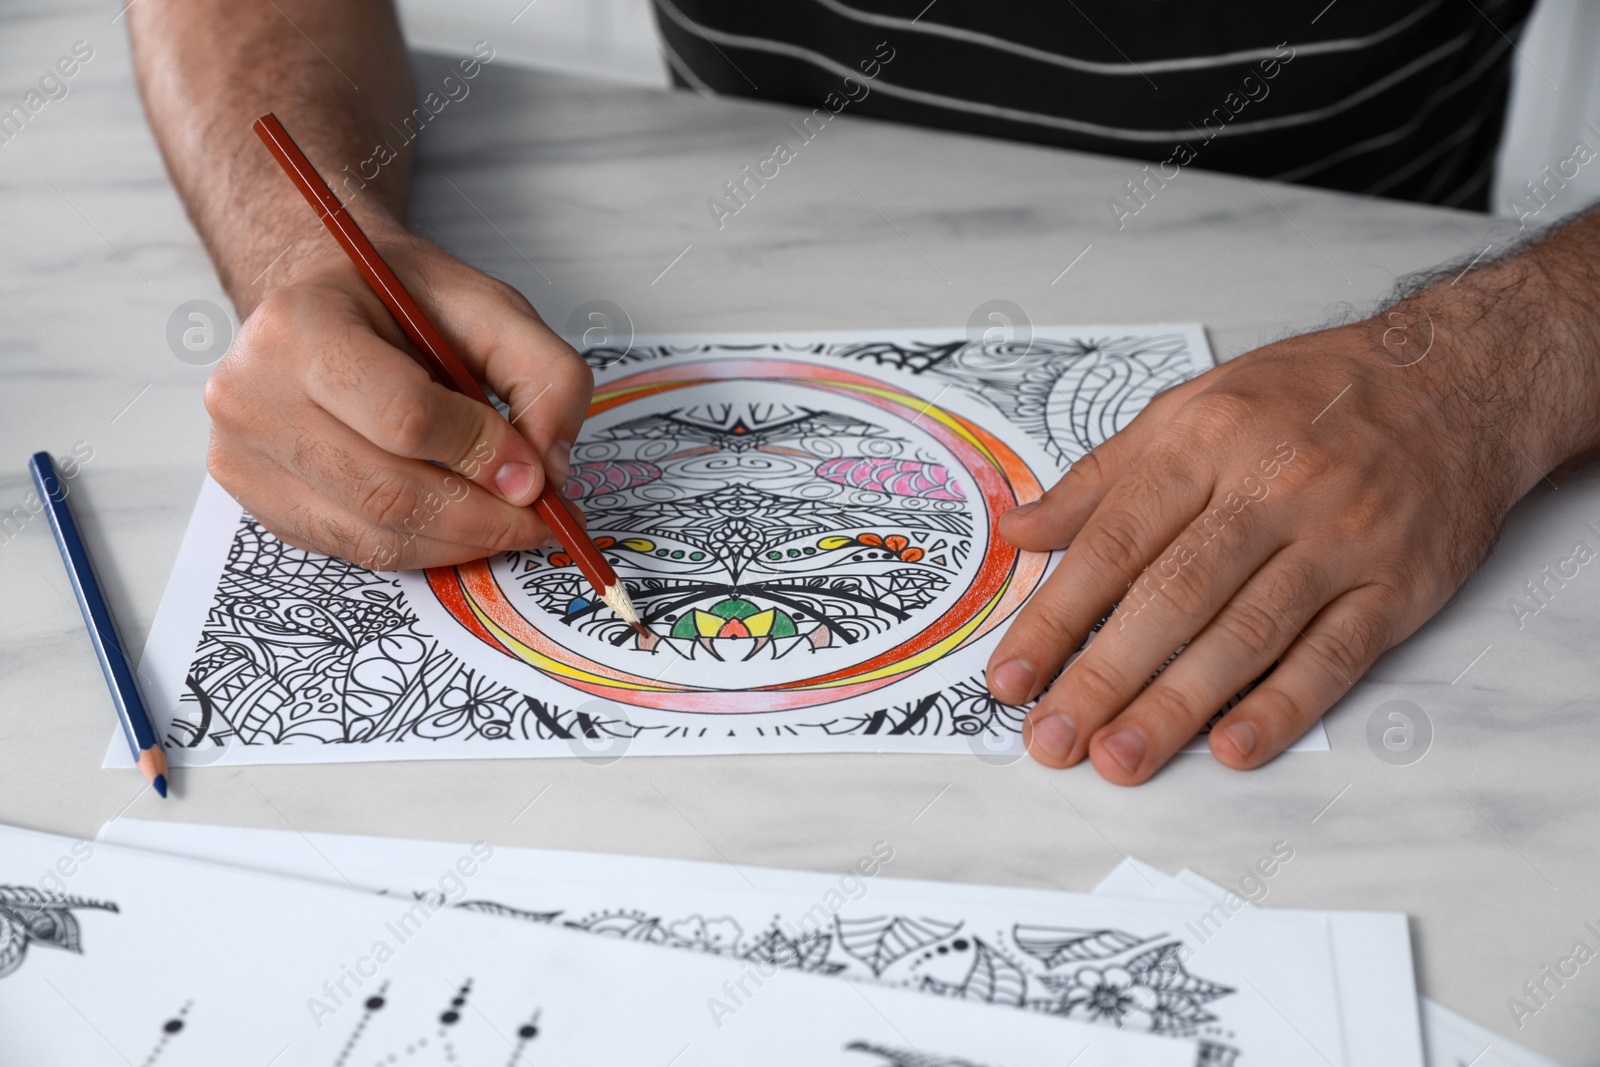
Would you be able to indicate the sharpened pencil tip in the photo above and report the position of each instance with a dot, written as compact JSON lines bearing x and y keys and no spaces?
{"x":160,"y":782}
{"x":642,"y":630}
{"x":616,"y":597}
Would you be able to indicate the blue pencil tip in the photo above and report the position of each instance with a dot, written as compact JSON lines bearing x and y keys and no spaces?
{"x":161,"y":784}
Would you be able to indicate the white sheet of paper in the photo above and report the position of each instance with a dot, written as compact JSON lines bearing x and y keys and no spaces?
{"x":1004,"y":945}
{"x":1448,"y":1039}
{"x":807,"y":522}
{"x":1456,"y":1041}
{"x":114,"y":956}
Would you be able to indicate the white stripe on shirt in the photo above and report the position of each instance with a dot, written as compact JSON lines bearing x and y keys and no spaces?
{"x":1251,"y":55}
{"x":1059,"y":122}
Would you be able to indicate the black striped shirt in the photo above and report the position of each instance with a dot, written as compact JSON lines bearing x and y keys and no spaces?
{"x":1401,"y":98}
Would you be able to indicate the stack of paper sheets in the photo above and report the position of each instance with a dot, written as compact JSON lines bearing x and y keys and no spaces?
{"x":195,"y":944}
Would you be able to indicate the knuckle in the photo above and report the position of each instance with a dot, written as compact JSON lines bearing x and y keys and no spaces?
{"x":1310,"y":467}
{"x":1042,"y":625}
{"x":1113,"y":543}
{"x":582,"y":375}
{"x":1299,"y":582}
{"x":1360,"y":512}
{"x":270,"y":325}
{"x":1251,"y":623}
{"x":408,"y":420}
{"x":507,"y":294}
{"x":1095,"y":683}
{"x":1088,"y":469}
{"x":1279,"y":715}
{"x":1168,"y":708}
{"x":1386,"y":591}
{"x":506,"y":532}
{"x":1350,"y":644}
{"x":387,"y":500}
{"x":1216,"y":415}
{"x":219,"y":395}
{"x":1188,"y":590}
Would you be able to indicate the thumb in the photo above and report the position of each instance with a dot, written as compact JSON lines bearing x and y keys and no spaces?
{"x":475,"y":440}
{"x":1054,"y":519}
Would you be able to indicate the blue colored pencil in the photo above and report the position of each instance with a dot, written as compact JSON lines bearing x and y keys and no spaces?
{"x":147,"y":751}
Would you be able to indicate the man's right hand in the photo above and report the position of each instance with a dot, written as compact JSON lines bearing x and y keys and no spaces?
{"x":337,"y":440}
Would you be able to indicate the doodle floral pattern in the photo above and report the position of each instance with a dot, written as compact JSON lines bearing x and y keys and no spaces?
{"x":29,"y":916}
{"x":1106,"y":976}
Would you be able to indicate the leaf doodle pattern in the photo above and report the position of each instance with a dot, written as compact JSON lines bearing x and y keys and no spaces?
{"x":489,"y":907}
{"x":900,"y":1057}
{"x":1100,"y":975}
{"x":30,"y":916}
{"x":880,"y":942}
{"x":1053,"y":946}
{"x":993,"y":979}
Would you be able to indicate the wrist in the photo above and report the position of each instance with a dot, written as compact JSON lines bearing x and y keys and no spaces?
{"x":1510,"y":355}
{"x":311,"y":255}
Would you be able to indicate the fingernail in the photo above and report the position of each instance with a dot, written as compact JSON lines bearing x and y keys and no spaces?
{"x":1012,"y":681}
{"x":1243,"y":736}
{"x":1053,"y":736}
{"x":513,"y":480}
{"x":1023,"y":509}
{"x":558,"y":461}
{"x":1127,"y":747}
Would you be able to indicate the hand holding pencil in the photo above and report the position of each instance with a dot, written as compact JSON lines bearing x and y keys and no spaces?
{"x":329,"y":432}
{"x":436,"y":353}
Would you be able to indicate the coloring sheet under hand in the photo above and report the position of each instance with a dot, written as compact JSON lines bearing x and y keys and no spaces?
{"x":808,"y":523}
{"x":1257,"y":990}
{"x":115,"y":957}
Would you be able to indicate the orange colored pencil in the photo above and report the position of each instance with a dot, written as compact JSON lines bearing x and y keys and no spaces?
{"x":442,"y":360}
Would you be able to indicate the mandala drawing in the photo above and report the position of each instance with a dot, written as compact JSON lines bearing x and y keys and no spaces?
{"x":30,"y":916}
{"x":809,"y":530}
{"x":820,"y":543}
{"x":299,"y":648}
{"x":1070,"y":394}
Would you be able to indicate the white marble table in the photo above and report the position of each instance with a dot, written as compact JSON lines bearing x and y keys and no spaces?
{"x":1489,"y":841}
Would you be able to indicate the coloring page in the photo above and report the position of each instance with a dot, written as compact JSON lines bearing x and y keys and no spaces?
{"x":1253,"y":989}
{"x":1455,"y":1041}
{"x":1371,"y":957}
{"x":113,"y":957}
{"x":808,"y":524}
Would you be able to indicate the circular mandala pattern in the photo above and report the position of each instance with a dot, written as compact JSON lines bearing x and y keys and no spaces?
{"x":812,"y":539}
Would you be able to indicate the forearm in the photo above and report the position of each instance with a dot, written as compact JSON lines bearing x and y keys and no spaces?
{"x":335,"y":73}
{"x":1515,"y":348}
